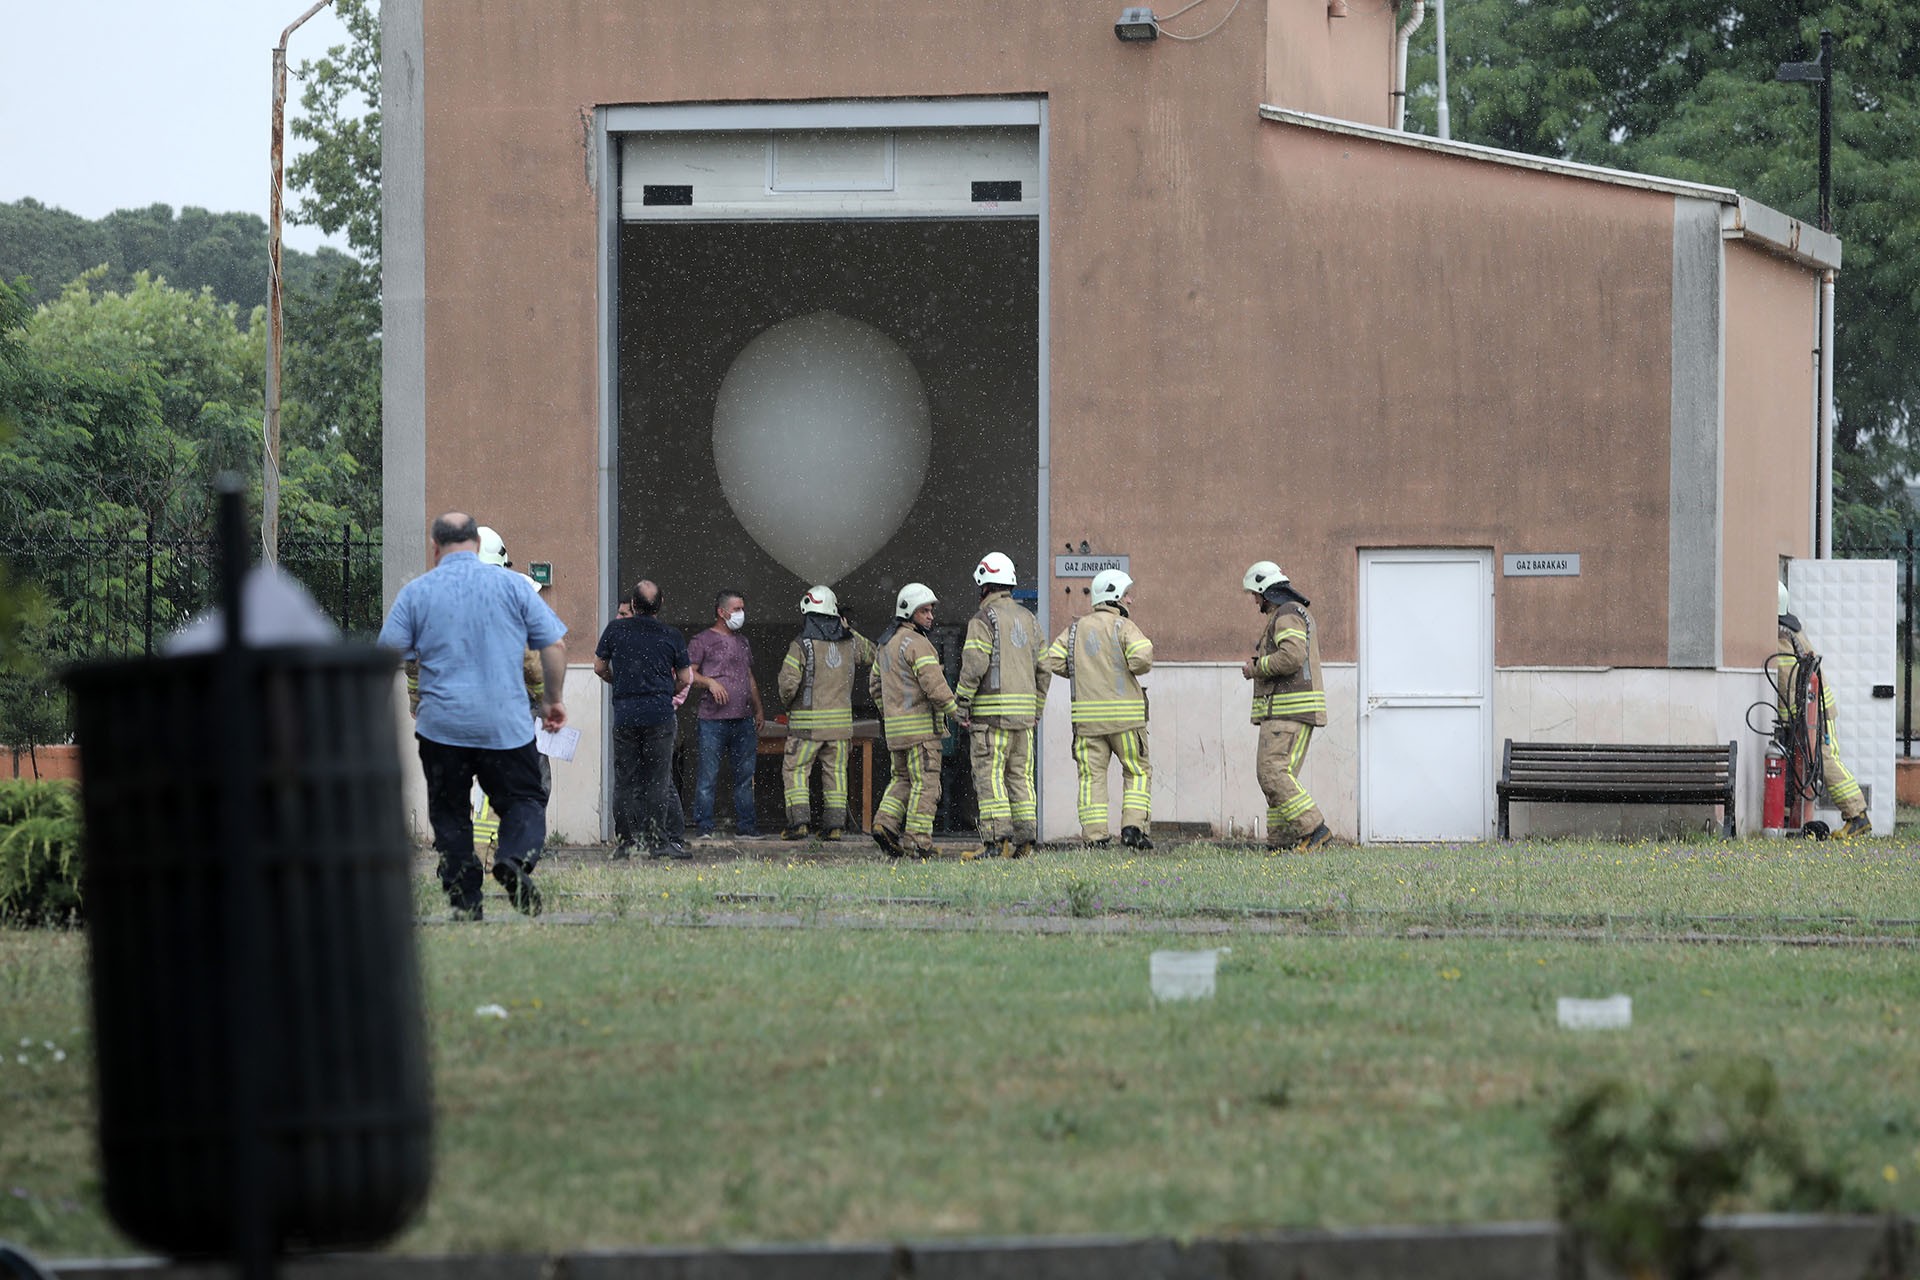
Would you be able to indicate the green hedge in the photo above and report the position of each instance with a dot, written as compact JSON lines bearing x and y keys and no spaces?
{"x":39,"y":853}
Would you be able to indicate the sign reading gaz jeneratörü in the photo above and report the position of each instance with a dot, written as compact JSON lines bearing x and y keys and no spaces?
{"x":1087,"y":566}
{"x":1542,"y":564}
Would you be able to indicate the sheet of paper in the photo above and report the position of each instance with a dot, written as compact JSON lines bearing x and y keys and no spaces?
{"x":560,"y":745}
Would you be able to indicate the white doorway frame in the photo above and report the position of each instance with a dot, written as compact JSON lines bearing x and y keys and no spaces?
{"x":610,"y":122}
{"x":1362,"y":700}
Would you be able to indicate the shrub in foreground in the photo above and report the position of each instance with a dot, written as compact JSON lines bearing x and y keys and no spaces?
{"x":39,"y":853}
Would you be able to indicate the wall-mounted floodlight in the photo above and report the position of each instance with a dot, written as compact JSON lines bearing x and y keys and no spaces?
{"x":1136,"y":25}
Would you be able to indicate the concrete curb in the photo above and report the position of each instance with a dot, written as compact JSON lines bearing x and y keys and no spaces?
{"x":1765,"y":1246}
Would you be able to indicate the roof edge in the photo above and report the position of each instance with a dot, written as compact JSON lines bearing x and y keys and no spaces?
{"x":1495,"y":155}
{"x":1780,"y":233}
{"x":1740,"y":218}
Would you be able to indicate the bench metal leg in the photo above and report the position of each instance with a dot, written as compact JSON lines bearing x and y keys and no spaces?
{"x":1503,"y":817}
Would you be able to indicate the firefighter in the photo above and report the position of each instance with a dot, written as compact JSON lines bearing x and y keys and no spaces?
{"x":1002,"y":686}
{"x":1103,"y":655}
{"x":914,"y":703}
{"x":1795,"y":651}
{"x":816,"y":686}
{"x":1288,"y":704}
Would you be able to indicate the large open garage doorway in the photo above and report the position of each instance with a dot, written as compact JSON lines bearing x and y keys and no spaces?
{"x":826,"y":353}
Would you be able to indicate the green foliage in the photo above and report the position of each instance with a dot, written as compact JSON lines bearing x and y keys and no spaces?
{"x":224,"y":252}
{"x":39,"y":853}
{"x":1686,"y":89}
{"x":341,"y":121}
{"x":1637,"y":1173}
{"x":128,"y":405}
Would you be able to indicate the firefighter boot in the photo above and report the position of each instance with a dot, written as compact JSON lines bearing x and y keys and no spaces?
{"x":1135,"y":838}
{"x":1858,"y":825}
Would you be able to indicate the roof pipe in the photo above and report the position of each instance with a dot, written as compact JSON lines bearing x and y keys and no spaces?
{"x":1825,"y":548}
{"x":1440,"y":36}
{"x":1401,"y":37}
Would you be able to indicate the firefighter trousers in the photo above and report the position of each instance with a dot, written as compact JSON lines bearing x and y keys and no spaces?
{"x":1291,"y":812}
{"x":912,"y":795}
{"x":796,"y":775}
{"x":1003,"y":780}
{"x":1092,"y":752}
{"x":1842,"y":789}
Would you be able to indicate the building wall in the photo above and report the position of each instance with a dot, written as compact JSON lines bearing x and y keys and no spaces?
{"x":1265,"y":340}
{"x":1772,"y":333}
{"x":1340,"y":67}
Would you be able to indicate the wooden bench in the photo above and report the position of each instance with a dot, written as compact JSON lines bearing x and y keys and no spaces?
{"x":1617,"y":773}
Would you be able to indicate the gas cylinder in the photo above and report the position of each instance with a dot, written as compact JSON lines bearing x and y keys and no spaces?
{"x":1773,"y":805}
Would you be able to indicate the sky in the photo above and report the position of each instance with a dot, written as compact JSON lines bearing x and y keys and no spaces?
{"x":119,"y":104}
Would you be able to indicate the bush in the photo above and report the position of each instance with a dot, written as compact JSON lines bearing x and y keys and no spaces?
{"x":39,"y":852}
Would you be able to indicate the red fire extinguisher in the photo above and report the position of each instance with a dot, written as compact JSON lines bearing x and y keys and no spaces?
{"x":1773,"y":807}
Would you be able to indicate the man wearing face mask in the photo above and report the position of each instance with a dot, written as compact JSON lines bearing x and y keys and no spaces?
{"x":728,"y":713}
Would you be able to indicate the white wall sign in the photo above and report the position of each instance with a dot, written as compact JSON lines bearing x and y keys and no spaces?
{"x":1541,"y":564}
{"x":1087,"y":566}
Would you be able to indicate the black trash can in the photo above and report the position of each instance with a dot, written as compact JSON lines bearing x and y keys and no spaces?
{"x":258,"y":1018}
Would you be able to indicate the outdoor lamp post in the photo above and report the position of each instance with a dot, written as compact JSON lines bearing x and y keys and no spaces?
{"x":270,"y":426}
{"x":1820,"y":72}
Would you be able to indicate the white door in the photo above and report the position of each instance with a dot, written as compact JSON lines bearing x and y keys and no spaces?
{"x":1850,"y":610}
{"x":1426,"y":695}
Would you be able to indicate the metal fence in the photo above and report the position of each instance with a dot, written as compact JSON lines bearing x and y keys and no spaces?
{"x":1902,"y":554}
{"x":119,"y":595}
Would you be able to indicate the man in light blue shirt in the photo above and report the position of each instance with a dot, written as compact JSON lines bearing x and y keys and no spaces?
{"x":469,"y":626}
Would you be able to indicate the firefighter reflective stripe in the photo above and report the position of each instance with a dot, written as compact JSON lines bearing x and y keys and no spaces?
{"x":835,"y":718}
{"x":913,"y":723}
{"x":1093,"y":785}
{"x":801,"y":753}
{"x":923,"y":661}
{"x":1138,"y":647}
{"x":1006,"y":704}
{"x":1088,"y":711}
{"x":1289,"y":704}
{"x":1266,"y":664}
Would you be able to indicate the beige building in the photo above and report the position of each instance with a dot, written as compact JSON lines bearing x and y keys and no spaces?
{"x":745,"y":294}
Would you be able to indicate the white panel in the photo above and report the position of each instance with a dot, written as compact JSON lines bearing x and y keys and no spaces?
{"x":841,"y":174}
{"x":1423,"y":629}
{"x":1433,"y":776}
{"x":841,"y":160}
{"x":1850,"y":611}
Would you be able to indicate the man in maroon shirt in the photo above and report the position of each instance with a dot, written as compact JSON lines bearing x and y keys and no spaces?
{"x":728,"y":713}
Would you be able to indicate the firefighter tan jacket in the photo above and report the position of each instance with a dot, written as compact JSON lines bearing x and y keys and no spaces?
{"x":1104,"y":655}
{"x":816,"y":685}
{"x":1286,"y":668}
{"x":1002,"y":681}
{"x":1794,"y":648}
{"x":912,"y":693}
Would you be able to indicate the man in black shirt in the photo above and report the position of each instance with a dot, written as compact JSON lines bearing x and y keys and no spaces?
{"x":646,"y":663}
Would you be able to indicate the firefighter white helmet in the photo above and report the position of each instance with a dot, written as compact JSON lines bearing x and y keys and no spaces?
{"x":493,"y":548}
{"x":820,"y":600}
{"x":1786,"y":605}
{"x":1110,"y":586}
{"x":994,"y":568}
{"x":1261,"y":575}
{"x":912,"y":597}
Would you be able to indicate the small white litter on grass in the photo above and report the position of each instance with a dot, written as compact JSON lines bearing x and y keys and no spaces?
{"x":1185,"y":975}
{"x":490,"y":1011}
{"x":1596,"y":1015}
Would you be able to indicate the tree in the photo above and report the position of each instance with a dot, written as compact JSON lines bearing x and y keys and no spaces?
{"x":1685,"y":89}
{"x":333,"y":325}
{"x":341,"y":101}
{"x":226,"y":252}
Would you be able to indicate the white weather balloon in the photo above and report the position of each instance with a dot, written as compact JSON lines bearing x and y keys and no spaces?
{"x":821,"y":434}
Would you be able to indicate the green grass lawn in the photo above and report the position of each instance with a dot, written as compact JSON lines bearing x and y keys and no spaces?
{"x":910,"y":1061}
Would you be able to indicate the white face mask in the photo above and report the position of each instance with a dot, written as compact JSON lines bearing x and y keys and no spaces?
{"x":737,"y":619}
